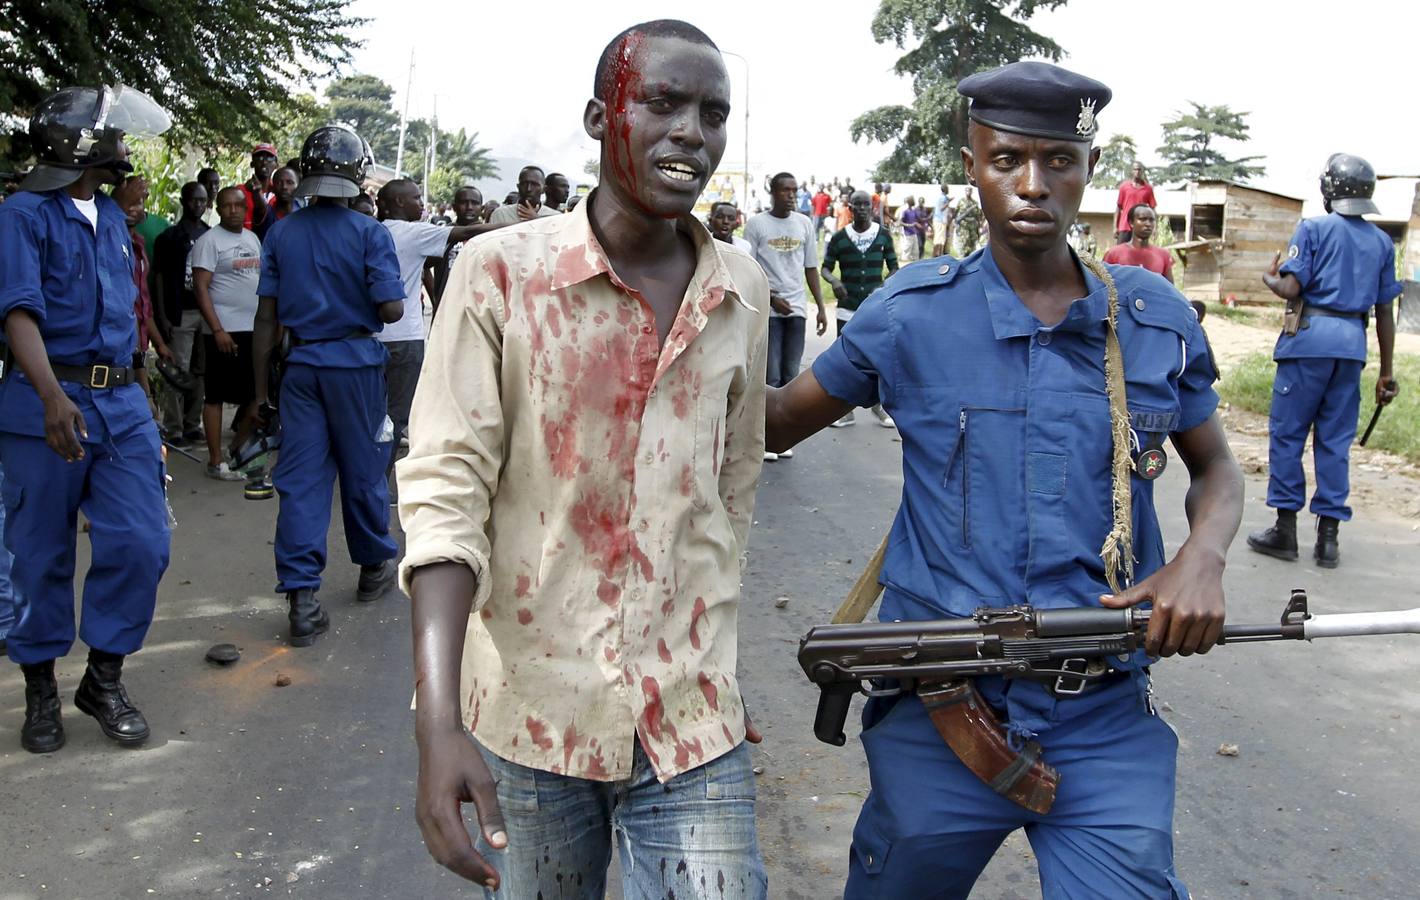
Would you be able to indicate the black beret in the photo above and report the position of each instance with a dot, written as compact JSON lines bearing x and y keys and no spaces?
{"x":1037,"y":99}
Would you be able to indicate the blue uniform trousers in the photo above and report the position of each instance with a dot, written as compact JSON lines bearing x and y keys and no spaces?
{"x":119,"y":486}
{"x":930,"y":826}
{"x":1323,"y":397}
{"x":8,"y":603}
{"x":330,"y":419}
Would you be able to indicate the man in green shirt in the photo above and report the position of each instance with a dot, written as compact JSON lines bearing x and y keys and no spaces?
{"x":860,"y":250}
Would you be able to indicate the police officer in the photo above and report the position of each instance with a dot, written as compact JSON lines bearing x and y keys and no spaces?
{"x":1338,"y":267}
{"x":1018,"y":490}
{"x":330,"y":276}
{"x":75,"y":427}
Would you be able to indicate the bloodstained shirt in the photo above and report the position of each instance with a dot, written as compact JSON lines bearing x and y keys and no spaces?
{"x":600,"y":487}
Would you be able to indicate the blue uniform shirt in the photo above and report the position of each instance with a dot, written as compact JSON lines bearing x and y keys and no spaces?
{"x":1343,"y":263}
{"x":77,"y":282}
{"x":329,"y":269}
{"x":1006,"y":432}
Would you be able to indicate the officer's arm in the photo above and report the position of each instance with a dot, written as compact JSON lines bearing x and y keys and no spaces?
{"x":1385,"y":336}
{"x":798,"y":410}
{"x":263,"y":341}
{"x":1285,"y":286}
{"x":61,"y":417}
{"x":390,"y":311}
{"x":1188,"y":592}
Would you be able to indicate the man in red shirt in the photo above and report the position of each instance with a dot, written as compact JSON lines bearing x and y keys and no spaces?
{"x":1131,"y":193}
{"x":1137,"y":252}
{"x":822,"y":204}
{"x":258,"y":188}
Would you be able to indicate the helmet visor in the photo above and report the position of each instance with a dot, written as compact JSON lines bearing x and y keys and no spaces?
{"x":132,"y":112}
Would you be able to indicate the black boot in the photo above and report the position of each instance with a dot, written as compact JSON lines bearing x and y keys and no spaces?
{"x":307,"y":617}
{"x":43,"y":731}
{"x":376,"y":580}
{"x":1280,"y":540}
{"x":1327,"y":553}
{"x":102,"y":696}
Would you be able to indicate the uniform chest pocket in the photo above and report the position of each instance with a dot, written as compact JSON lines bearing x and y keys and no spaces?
{"x":983,"y":467}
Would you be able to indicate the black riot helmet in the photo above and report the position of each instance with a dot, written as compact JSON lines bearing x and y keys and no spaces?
{"x":334,"y":162}
{"x":83,"y":128}
{"x":1348,"y":184}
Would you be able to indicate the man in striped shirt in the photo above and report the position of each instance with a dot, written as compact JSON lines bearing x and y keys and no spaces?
{"x":860,"y":251}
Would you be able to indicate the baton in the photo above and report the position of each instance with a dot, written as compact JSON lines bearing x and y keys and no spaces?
{"x":171,"y":446}
{"x":1375,"y":417}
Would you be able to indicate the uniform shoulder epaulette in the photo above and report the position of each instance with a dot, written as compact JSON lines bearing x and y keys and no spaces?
{"x":924,"y":273}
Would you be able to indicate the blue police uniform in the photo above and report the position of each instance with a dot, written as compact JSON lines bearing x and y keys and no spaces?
{"x":1345,"y":265}
{"x":329,"y":269}
{"x":1006,"y":499}
{"x":77,"y":282}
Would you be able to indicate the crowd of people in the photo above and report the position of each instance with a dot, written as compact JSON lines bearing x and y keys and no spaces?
{"x":584,"y":522}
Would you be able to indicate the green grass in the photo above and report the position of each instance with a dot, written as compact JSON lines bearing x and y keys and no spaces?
{"x":1265,"y":317}
{"x":1248,"y":385}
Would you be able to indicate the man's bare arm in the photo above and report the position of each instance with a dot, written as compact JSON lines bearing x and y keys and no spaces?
{"x":451,"y":770}
{"x":263,"y":342}
{"x":1187,"y":593}
{"x":797,"y":410}
{"x":1387,"y":388}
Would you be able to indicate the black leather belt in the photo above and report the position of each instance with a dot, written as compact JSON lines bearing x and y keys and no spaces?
{"x":1309,"y":310}
{"x":97,"y":376}
{"x":302,"y":342}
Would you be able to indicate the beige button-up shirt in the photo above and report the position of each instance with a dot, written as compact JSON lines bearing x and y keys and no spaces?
{"x":600,"y":487}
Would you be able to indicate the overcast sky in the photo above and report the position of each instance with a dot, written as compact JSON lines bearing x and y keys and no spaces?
{"x":1314,"y":81}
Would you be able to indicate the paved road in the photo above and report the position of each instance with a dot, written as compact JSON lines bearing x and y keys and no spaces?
{"x":310,"y":785}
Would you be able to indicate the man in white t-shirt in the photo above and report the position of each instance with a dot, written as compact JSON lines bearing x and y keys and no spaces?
{"x":226,"y":267}
{"x":784,"y":244}
{"x":529,"y":206}
{"x":401,"y":209}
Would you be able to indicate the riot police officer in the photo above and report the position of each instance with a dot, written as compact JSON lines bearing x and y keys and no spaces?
{"x":75,"y":427}
{"x":329,"y":275}
{"x":1338,"y":267}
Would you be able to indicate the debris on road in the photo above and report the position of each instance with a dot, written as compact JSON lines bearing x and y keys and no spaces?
{"x":282,"y":679}
{"x":1228,"y":750}
{"x":223,"y":654}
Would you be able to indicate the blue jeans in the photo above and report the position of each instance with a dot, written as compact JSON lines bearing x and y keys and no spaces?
{"x":930,"y":826}
{"x":786,"y":349}
{"x":1321,"y":397}
{"x":691,"y":837}
{"x":7,"y":589}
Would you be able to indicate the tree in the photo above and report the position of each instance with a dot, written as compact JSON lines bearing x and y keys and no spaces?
{"x":457,"y":153}
{"x":1117,"y":158}
{"x":954,"y":38}
{"x":364,"y":102}
{"x":593,"y":168}
{"x":1190,"y":149}
{"x":220,"y":69}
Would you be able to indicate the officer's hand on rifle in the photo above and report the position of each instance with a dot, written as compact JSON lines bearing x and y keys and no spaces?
{"x":1188,"y":605}
{"x":64,"y":427}
{"x":1387,"y":389}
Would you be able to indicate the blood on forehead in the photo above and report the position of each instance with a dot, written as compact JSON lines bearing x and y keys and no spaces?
{"x":625,"y":77}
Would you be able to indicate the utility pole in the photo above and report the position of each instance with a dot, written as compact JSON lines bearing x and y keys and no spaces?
{"x":404,"y":118}
{"x":433,"y":149}
{"x":744,"y":197}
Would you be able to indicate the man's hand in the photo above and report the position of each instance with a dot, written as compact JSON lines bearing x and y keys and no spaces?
{"x":751,"y":733}
{"x":64,"y":427}
{"x":780,"y":305}
{"x":1188,"y":604}
{"x":1387,"y":389}
{"x":165,"y":353}
{"x":822,"y":320}
{"x":452,"y":772}
{"x":224,"y":343}
{"x":526,"y":211}
{"x":840,"y":293}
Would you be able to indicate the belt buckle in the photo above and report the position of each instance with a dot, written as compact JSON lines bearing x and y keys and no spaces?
{"x":1067,"y":686}
{"x":94,"y":379}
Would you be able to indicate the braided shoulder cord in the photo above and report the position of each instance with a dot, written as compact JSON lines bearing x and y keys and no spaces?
{"x":1119,"y":543}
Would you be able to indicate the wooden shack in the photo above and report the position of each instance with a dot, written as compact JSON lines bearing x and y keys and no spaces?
{"x":1231,"y":234}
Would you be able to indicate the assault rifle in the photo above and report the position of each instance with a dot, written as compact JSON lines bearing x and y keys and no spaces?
{"x":1065,"y":648}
